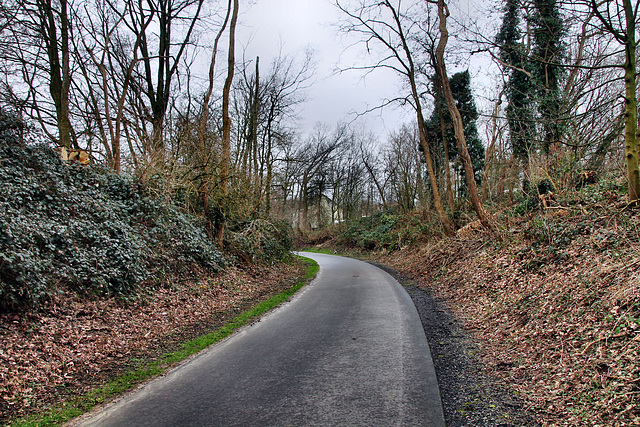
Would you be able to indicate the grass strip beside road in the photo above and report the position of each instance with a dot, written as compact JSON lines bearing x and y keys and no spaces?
{"x":318,"y":251}
{"x":68,"y":410}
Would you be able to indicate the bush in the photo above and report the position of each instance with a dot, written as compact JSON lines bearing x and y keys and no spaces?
{"x":85,"y":228}
{"x":605,"y":190}
{"x":261,"y":240}
{"x":385,"y":230}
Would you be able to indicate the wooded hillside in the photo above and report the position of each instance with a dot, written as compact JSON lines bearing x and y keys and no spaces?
{"x":65,"y":226}
{"x":553,"y":298}
{"x":513,"y":174}
{"x":158,"y":92}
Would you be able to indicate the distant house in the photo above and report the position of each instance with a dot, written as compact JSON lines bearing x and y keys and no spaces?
{"x":320,"y":214}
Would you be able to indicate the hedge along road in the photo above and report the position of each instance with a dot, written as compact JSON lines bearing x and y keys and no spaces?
{"x":348,"y":349}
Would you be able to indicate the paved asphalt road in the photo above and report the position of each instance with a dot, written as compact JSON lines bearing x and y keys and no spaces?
{"x":349,"y":349}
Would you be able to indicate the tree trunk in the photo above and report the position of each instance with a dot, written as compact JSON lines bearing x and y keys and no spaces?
{"x":457,"y":118}
{"x":267,"y":185}
{"x":59,"y":73}
{"x":447,"y":166}
{"x":303,"y":209}
{"x":437,"y":200}
{"x":372,"y":174}
{"x":491,"y":146}
{"x":256,"y":178}
{"x":202,"y":130}
{"x":225,"y":159}
{"x":631,"y":106}
{"x":422,"y":198}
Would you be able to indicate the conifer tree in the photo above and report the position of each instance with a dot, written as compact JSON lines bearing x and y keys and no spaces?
{"x":548,"y":53}
{"x":461,"y":89}
{"x":519,"y":89}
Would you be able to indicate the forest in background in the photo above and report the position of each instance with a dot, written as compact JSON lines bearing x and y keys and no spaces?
{"x":197,"y":164}
{"x":155,"y":90}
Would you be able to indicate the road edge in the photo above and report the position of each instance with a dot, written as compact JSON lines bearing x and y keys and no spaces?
{"x":73,"y":411}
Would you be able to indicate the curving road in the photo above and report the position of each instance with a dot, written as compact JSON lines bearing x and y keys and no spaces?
{"x":348,"y":349}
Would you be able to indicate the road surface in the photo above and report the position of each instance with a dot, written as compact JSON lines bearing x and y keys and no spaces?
{"x":348,"y":349}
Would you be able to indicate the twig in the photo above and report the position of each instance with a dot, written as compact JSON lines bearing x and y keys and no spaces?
{"x":558,"y":207}
{"x":583,"y":352}
{"x":624,"y":206}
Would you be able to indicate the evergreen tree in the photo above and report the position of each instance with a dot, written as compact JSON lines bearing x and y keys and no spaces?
{"x":519,"y":88}
{"x":549,"y":30}
{"x":461,"y":88}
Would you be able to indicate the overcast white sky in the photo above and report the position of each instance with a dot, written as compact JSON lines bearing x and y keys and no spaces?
{"x":299,"y":24}
{"x":296,"y":25}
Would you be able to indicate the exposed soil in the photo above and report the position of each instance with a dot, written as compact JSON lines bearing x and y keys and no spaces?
{"x":73,"y":344}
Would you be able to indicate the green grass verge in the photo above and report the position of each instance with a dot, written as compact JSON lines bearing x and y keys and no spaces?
{"x":318,"y":251}
{"x":65,"y":411}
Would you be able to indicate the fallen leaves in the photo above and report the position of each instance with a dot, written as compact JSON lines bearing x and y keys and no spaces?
{"x":72,"y":344}
{"x":557,"y":315}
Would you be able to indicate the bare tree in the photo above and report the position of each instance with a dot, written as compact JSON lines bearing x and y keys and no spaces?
{"x":283,"y":91}
{"x":403,"y":167}
{"x":161,"y":56}
{"x":207,"y":164}
{"x":225,"y":161}
{"x":347,"y":180}
{"x":264,"y":107}
{"x":110,"y":87}
{"x":619,"y":19}
{"x":458,"y":126}
{"x":390,"y":32}
{"x":36,"y":47}
{"x":371,"y":163}
{"x":59,"y":61}
{"x":313,"y":157}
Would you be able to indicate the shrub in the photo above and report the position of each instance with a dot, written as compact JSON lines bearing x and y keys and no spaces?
{"x":261,"y":240}
{"x":385,"y":230}
{"x":85,"y":228}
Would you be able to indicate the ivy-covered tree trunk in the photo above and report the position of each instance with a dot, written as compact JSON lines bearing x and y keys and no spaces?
{"x":518,"y":88}
{"x":549,"y":54}
{"x":458,"y":125}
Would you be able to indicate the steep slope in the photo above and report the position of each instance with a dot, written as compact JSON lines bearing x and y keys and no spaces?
{"x":64,"y":226}
{"x":554,"y":301}
{"x":98,"y":276}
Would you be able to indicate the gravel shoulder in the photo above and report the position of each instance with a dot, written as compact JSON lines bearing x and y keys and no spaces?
{"x":470,"y":395}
